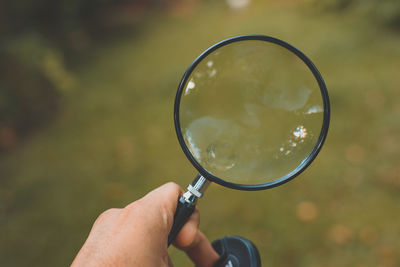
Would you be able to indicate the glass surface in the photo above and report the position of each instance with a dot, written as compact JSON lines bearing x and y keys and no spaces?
{"x":251,"y":112}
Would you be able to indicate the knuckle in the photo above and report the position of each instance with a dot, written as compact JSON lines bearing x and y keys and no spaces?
{"x":173,"y":186}
{"x":107,"y":213}
{"x":132,"y":206}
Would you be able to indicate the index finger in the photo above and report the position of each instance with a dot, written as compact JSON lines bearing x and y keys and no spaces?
{"x":191,"y":240}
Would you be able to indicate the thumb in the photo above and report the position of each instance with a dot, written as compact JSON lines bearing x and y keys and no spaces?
{"x":160,"y":206}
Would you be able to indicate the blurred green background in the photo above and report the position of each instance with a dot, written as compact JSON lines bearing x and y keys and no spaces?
{"x":86,"y":105}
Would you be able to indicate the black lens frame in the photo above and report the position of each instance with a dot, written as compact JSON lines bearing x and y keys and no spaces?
{"x":304,"y":164}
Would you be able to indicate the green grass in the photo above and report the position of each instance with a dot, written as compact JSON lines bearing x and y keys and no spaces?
{"x":114,"y":141}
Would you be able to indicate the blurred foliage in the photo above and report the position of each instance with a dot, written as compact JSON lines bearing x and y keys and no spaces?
{"x":54,"y":19}
{"x":111,"y":136}
{"x":32,"y":79}
{"x":46,"y":37}
{"x":386,"y":12}
{"x":21,"y":108}
{"x":71,"y":24}
{"x":40,"y":40}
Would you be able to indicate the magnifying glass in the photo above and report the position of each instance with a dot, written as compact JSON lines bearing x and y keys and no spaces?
{"x":251,"y":113}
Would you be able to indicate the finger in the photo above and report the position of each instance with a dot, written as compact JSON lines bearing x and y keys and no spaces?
{"x":201,"y":252}
{"x":188,"y":233}
{"x":195,"y":244}
{"x":165,"y":195}
{"x":160,"y":203}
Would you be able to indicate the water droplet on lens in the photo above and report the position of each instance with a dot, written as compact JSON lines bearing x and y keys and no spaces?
{"x":300,"y":132}
{"x":198,"y":74}
{"x":212,"y":73}
{"x":190,"y":86}
{"x":314,"y":109}
{"x":221,"y":156}
{"x":196,"y":152}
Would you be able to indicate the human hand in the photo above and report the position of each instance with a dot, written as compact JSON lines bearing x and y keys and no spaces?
{"x":137,"y":235}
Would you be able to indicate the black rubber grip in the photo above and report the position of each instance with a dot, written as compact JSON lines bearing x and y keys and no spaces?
{"x":182,"y":214}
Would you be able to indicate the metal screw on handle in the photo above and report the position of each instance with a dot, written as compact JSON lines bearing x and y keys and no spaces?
{"x":186,"y":205}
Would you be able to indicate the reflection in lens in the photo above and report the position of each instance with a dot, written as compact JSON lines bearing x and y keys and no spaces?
{"x":251,"y":112}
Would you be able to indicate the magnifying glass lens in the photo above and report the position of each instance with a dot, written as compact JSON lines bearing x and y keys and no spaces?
{"x":251,"y":111}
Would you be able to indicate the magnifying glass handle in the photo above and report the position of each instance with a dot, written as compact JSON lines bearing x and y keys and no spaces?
{"x":186,"y":205}
{"x":182,"y":214}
